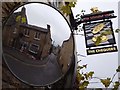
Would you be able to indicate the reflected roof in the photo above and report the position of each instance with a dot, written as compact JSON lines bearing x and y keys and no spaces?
{"x":34,"y":27}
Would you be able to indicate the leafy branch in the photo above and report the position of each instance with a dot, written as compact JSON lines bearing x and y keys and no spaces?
{"x":83,"y":79}
{"x":108,"y":81}
{"x":66,"y":9}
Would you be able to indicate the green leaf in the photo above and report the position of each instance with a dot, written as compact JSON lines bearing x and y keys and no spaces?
{"x":66,"y":10}
{"x":82,"y":10}
{"x":117,"y":30}
{"x":81,"y":87}
{"x":23,"y":20}
{"x":86,"y":76}
{"x":71,"y":4}
{"x":106,"y":82}
{"x":80,"y":67}
{"x":90,"y":74}
{"x":85,"y":66}
{"x":79,"y":76}
{"x":18,"y":18}
{"x":77,"y":15}
{"x":118,"y":70}
{"x":85,"y":83}
{"x":116,"y":85}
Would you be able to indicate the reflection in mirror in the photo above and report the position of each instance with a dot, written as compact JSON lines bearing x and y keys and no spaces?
{"x":37,"y":44}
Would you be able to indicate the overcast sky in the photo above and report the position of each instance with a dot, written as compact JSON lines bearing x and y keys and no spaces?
{"x":104,"y":65}
{"x":41,"y":15}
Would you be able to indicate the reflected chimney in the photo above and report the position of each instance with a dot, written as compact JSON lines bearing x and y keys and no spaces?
{"x":48,"y":27}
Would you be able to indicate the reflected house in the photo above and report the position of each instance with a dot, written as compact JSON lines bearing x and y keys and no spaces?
{"x":11,"y":28}
{"x":36,"y":40}
{"x":25,"y":37}
{"x":66,"y":54}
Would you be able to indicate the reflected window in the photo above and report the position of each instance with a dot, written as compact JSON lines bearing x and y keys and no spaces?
{"x":34,"y":48}
{"x":37,"y":35}
{"x":26,"y":32}
{"x":25,"y":44}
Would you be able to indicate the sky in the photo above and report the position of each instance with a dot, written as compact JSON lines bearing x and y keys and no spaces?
{"x":41,"y":15}
{"x":104,"y":65}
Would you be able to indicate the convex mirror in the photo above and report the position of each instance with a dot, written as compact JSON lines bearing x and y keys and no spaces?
{"x":38,"y":45}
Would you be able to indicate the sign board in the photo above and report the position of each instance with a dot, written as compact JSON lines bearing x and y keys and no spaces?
{"x":90,"y":35}
{"x":99,"y":35}
{"x":96,"y":16}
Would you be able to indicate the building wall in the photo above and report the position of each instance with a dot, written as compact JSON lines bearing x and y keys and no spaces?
{"x":66,"y":54}
{"x":13,"y":39}
{"x":44,"y":42}
{"x":47,"y":46}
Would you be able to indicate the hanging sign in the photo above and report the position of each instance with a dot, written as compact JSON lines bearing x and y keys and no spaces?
{"x":99,"y":35}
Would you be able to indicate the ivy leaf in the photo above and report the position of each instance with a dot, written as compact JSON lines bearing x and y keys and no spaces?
{"x":23,"y":20}
{"x":90,"y":74}
{"x":117,"y":30}
{"x":85,"y":83}
{"x":106,"y":82}
{"x":18,"y":18}
{"x":72,"y":4}
{"x":77,"y":15}
{"x":118,"y":70}
{"x":80,"y":67}
{"x":66,"y":10}
{"x":86,"y":76}
{"x":82,"y":10}
{"x":116,"y":85}
{"x":81,"y":87}
{"x":85,"y":66}
{"x":79,"y":77}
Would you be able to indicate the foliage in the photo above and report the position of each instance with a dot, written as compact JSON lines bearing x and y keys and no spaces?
{"x":66,"y":9}
{"x":106,"y":82}
{"x":117,"y":30}
{"x":23,"y":20}
{"x":20,"y":19}
{"x":82,"y":79}
{"x":118,"y":69}
{"x":116,"y":85}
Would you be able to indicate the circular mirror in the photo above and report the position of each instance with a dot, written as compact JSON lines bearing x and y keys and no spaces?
{"x":38,"y":44}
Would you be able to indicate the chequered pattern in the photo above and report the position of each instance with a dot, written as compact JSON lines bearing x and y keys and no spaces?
{"x":89,"y":35}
